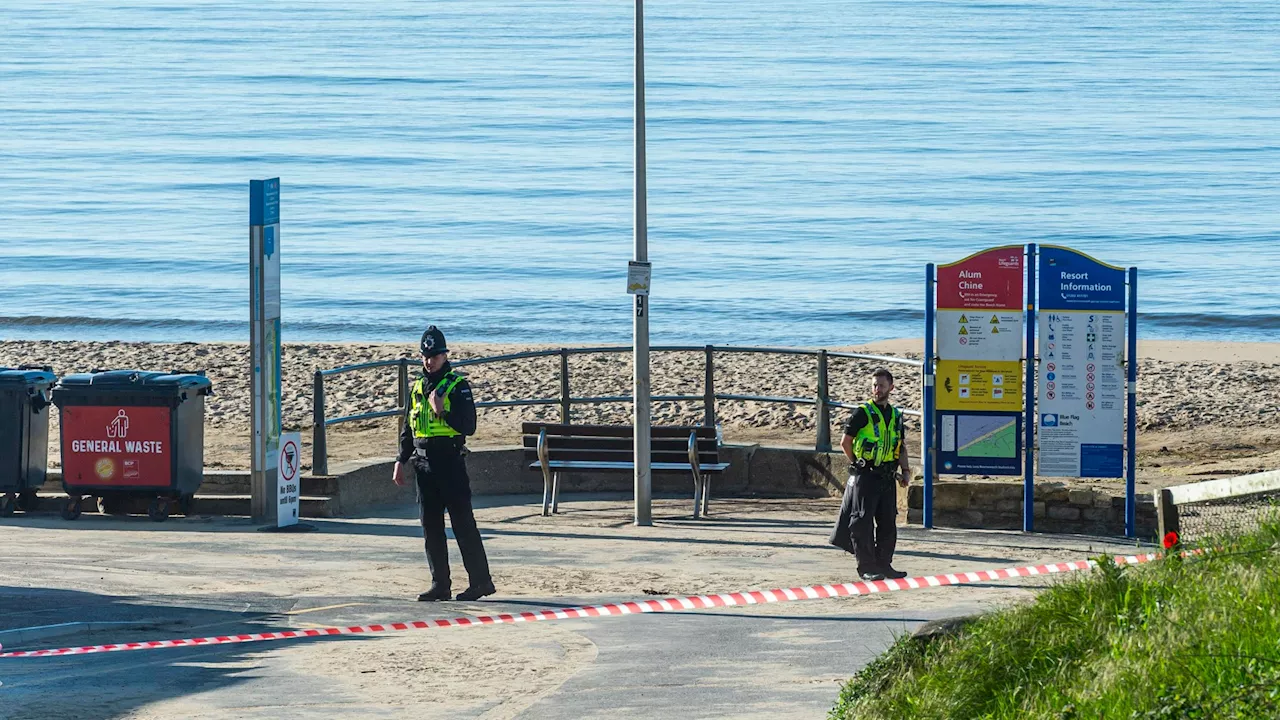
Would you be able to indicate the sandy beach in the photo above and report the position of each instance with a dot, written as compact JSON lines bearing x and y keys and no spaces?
{"x":1204,"y":410}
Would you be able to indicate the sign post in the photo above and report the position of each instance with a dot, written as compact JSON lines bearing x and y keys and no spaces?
{"x":288,"y":479}
{"x":927,"y":462}
{"x":264,"y":338}
{"x":1131,"y":467}
{"x":1029,"y":412}
{"x":977,"y":383}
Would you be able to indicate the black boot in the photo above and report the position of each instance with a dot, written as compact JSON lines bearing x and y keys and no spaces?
{"x":437,"y":592}
{"x":475,"y":592}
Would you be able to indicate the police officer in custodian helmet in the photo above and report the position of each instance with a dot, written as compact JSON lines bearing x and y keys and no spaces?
{"x":441,"y":414}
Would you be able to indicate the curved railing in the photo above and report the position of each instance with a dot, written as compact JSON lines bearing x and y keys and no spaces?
{"x":708,"y":398}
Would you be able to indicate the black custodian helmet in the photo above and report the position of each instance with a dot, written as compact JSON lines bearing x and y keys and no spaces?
{"x":432,"y":342}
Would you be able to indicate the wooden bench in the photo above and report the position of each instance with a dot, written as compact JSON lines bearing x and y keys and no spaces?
{"x":610,"y":448}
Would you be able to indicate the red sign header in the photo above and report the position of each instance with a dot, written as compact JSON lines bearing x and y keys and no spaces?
{"x":989,"y":280}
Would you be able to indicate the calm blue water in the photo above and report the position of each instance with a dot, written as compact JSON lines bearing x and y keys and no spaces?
{"x":468,"y":162}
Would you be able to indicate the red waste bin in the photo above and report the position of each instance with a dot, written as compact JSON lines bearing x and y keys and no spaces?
{"x":129,"y":433}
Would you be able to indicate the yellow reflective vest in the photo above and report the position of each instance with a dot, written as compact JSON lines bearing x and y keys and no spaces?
{"x":425,"y":422}
{"x":880,"y":440}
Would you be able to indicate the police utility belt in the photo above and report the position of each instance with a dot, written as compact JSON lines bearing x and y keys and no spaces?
{"x":422,"y":446}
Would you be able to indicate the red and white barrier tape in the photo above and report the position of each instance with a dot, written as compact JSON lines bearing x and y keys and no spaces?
{"x":691,"y":602}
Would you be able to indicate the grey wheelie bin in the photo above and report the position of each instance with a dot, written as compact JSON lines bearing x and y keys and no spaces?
{"x":24,"y":435}
{"x":132,"y":433}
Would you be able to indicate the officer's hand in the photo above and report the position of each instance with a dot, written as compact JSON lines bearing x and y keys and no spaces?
{"x":398,"y":475}
{"x":437,"y":404}
{"x":904,"y":477}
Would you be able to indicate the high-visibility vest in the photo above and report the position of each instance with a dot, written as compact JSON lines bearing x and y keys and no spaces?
{"x":425,"y":422}
{"x":879,"y":441}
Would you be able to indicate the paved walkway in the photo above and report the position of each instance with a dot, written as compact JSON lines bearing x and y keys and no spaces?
{"x":207,"y":576}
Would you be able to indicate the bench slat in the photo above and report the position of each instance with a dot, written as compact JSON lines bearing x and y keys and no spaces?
{"x":622,"y":454}
{"x":595,"y":465}
{"x":657,"y":431}
{"x":601,"y":443}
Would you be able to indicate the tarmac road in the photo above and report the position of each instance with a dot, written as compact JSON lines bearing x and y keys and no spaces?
{"x":211,"y":576}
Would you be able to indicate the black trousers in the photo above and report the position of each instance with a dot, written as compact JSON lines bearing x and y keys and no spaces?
{"x":443,"y":485}
{"x":867,"y":526}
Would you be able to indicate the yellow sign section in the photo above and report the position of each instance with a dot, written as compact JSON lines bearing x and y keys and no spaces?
{"x":979,"y":385}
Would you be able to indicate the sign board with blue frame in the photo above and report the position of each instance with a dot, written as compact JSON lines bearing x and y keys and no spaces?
{"x":1082,"y":389}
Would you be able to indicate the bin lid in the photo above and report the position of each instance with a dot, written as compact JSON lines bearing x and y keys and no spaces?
{"x":27,"y":376}
{"x":159,"y":382}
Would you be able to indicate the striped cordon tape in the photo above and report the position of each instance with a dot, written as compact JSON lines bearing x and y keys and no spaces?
{"x":690,"y":602}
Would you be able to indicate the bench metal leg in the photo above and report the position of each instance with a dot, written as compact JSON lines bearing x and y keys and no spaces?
{"x":546,"y":473}
{"x":706,"y":495}
{"x":555,"y":493}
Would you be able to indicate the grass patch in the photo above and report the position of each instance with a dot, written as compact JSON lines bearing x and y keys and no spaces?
{"x":1194,"y":638}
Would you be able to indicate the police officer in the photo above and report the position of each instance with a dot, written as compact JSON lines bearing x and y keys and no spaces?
{"x":440,"y":416}
{"x":873,"y":442}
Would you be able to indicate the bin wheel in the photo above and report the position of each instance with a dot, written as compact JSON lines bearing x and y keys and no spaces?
{"x":158,"y":510}
{"x":8,"y":503}
{"x":28,"y":500}
{"x":71,"y":510}
{"x":186,"y":505}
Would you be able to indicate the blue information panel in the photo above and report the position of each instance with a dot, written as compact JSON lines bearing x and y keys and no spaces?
{"x":1070,"y":280}
{"x":1082,"y":388}
{"x":979,"y":443}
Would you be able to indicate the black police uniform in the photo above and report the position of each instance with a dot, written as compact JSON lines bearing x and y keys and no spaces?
{"x":870,"y":498}
{"x":441,"y":473}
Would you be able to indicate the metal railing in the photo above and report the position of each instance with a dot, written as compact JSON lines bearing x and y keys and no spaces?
{"x":708,"y":398}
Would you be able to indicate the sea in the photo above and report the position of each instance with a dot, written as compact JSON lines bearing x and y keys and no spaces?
{"x":469,"y":163}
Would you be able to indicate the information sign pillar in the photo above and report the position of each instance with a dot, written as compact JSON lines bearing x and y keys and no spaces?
{"x":264,"y":338}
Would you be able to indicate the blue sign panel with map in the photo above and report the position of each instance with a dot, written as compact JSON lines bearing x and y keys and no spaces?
{"x":979,"y":443}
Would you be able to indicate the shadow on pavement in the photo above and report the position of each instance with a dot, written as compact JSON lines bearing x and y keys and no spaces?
{"x":109,"y":685}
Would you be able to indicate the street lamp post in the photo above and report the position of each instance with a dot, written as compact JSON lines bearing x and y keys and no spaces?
{"x":640,"y":324}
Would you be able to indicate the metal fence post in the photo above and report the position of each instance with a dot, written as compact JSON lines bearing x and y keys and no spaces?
{"x":1166,"y":513}
{"x":823,"y":443}
{"x":709,"y":389}
{"x":319,"y":443}
{"x":564,"y":386}
{"x":402,"y":385}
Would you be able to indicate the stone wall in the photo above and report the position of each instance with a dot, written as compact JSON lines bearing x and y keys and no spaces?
{"x":1055,"y":508}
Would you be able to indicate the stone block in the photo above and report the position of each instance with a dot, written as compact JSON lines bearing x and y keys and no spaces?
{"x":1080,"y":498}
{"x":915,"y":516}
{"x":1011,"y":491}
{"x":915,"y":496}
{"x":1105,"y":501}
{"x":1037,"y":509}
{"x":1043,"y":490}
{"x":971,"y":518}
{"x":1063,"y":512}
{"x":951,"y":496}
{"x":1096,"y":514}
{"x":1009,"y":506}
{"x":1056,"y":495}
